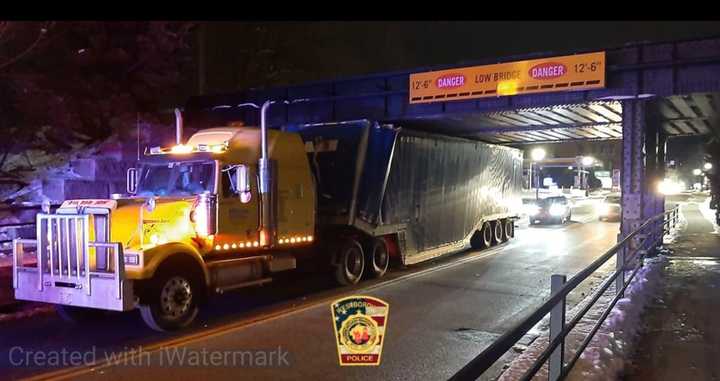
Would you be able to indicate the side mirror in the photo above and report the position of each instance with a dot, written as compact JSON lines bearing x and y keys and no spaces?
{"x":131,"y":180}
{"x":242,"y":179}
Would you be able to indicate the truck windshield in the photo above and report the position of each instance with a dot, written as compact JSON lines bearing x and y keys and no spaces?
{"x":176,"y":178}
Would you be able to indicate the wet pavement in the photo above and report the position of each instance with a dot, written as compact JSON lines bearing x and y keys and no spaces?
{"x":680,"y":337}
{"x":442,"y":314}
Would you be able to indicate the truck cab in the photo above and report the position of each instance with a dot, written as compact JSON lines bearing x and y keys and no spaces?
{"x":192,"y":224}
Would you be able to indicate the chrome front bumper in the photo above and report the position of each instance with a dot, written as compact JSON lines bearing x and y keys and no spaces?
{"x":70,"y":269}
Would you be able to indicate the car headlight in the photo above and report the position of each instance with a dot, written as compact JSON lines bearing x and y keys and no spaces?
{"x":603,"y":209}
{"x":557,"y":210}
{"x":532,"y":209}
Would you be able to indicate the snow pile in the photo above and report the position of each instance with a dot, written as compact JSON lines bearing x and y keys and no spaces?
{"x":604,"y":357}
{"x":674,"y":232}
{"x":708,"y":213}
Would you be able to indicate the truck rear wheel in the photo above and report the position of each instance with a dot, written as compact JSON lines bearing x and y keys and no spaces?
{"x":498,"y":235}
{"x":172,"y":301}
{"x":350,"y":262}
{"x":378,"y":258}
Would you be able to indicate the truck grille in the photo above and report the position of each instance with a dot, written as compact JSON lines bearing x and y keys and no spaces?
{"x":63,"y":244}
{"x":75,"y":263}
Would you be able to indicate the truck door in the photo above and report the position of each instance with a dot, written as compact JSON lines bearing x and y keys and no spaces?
{"x":238,"y":214}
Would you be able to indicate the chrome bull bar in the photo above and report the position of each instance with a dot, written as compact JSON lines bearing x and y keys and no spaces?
{"x":70,"y":269}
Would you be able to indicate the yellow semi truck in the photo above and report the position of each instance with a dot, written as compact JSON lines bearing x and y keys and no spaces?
{"x":232,"y":206}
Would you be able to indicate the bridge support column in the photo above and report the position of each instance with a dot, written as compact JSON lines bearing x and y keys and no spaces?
{"x":643,"y":168}
{"x":659,"y":176}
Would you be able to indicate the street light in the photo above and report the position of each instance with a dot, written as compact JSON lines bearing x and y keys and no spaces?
{"x":587,"y":161}
{"x":537,"y":154}
{"x":707,"y":166}
{"x":697,"y":172}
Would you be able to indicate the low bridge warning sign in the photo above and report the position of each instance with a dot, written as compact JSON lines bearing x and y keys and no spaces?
{"x":566,"y":73}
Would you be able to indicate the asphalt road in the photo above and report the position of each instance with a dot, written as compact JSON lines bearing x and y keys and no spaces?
{"x":441,"y":315}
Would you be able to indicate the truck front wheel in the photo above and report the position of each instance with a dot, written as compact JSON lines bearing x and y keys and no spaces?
{"x":350,"y":262}
{"x":172,"y":301}
{"x":378,"y":258}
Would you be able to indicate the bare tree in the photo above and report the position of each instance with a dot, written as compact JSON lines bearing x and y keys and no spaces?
{"x":64,"y":83}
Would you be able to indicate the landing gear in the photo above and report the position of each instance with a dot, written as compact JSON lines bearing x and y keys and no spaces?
{"x":172,"y":300}
{"x":350,"y":262}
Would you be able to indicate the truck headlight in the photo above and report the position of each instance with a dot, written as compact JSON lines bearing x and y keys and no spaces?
{"x":557,"y":210}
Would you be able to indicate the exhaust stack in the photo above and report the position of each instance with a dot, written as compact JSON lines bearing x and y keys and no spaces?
{"x":178,"y":126}
{"x":267,"y":214}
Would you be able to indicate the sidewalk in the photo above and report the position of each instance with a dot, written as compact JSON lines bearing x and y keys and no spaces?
{"x":680,"y":334}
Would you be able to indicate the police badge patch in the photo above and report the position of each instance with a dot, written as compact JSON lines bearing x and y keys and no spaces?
{"x":360,"y":323}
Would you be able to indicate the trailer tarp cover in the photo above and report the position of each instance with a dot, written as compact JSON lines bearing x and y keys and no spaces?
{"x":439,"y":186}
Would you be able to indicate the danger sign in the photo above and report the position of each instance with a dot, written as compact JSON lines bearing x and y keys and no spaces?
{"x":567,"y":73}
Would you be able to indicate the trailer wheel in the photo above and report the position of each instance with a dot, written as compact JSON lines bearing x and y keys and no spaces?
{"x":77,"y":315}
{"x":482,"y":238}
{"x":350,"y":262}
{"x":509,"y":229}
{"x":486,"y":235}
{"x":171,"y":303}
{"x":378,"y":258}
{"x":498,"y":234}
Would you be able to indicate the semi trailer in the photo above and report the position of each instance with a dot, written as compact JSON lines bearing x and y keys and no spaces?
{"x":232,"y":206}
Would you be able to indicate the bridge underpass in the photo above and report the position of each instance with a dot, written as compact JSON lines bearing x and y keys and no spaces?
{"x":652,"y":92}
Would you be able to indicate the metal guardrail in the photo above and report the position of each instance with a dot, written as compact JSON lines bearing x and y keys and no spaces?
{"x":630,"y":250}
